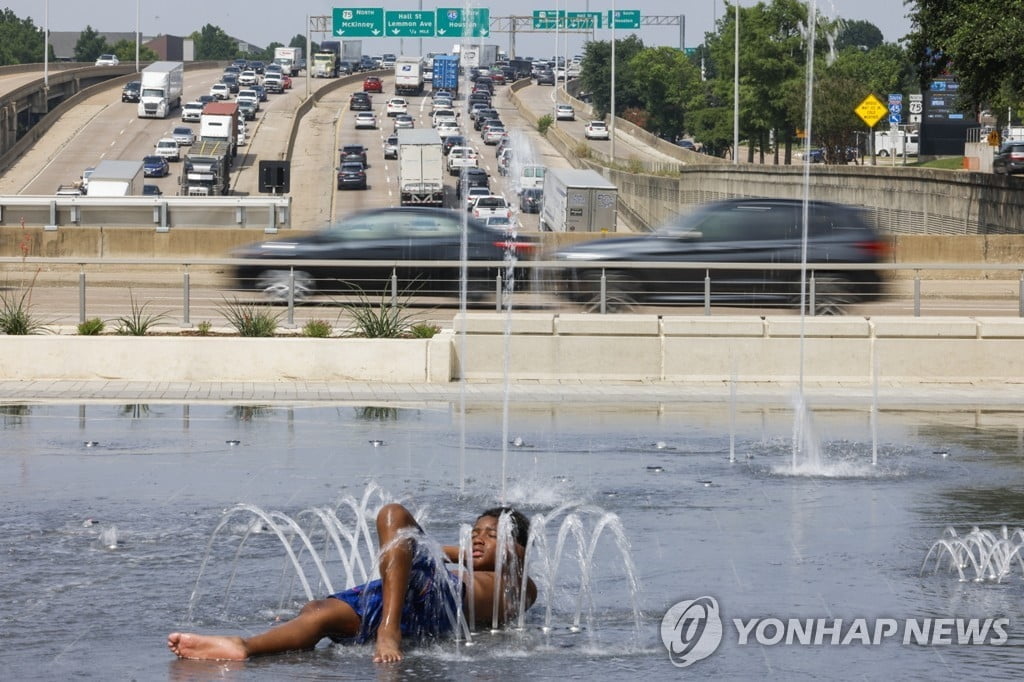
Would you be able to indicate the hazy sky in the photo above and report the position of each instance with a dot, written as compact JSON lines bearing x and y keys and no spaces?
{"x":262,"y":21}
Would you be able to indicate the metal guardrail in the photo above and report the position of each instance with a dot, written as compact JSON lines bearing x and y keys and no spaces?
{"x":270,"y":213}
{"x":541,"y":286}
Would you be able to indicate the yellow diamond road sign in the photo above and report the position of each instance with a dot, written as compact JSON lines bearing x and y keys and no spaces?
{"x":871,"y":110}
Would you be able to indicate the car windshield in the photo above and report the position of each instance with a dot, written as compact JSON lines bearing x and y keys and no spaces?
{"x":153,"y":159}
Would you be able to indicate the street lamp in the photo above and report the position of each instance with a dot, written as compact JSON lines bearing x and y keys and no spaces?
{"x":736,"y":91}
{"x":138,"y":35}
{"x":611,"y":132}
{"x":46,"y":45}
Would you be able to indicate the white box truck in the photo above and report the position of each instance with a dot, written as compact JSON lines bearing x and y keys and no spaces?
{"x":162,"y":83}
{"x":420,"y":167}
{"x":578,"y":201}
{"x":116,"y":179}
{"x":288,"y":58}
{"x":409,"y":76}
{"x":889,"y":144}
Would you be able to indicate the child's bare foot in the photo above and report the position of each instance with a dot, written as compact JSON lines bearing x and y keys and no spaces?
{"x":213,"y":647}
{"x":388,"y":648}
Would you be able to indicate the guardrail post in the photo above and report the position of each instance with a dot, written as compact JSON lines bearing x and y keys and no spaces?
{"x":1020,"y":295}
{"x":394,"y":288}
{"x":186,"y":298}
{"x":917,"y":293}
{"x":604,"y":292}
{"x":81,"y":294}
{"x":497,"y":293}
{"x":291,"y":296}
{"x":812,"y":294}
{"x":707,"y":292}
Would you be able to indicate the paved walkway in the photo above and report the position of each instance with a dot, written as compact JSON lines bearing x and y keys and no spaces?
{"x":890,"y":394}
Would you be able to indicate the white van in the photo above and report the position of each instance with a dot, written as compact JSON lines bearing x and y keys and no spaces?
{"x":532,"y":176}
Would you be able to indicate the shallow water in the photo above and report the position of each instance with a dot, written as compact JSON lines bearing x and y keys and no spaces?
{"x":762,"y":542}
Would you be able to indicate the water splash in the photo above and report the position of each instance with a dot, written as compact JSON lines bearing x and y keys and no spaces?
{"x":981,"y":555}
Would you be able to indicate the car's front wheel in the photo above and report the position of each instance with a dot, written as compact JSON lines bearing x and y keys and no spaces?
{"x":276,"y":284}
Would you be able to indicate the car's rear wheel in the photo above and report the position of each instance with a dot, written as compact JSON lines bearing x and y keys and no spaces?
{"x":276,"y":284}
{"x":620,"y":292}
{"x":832,"y":293}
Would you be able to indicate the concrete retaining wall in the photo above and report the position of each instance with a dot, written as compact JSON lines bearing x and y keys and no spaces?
{"x":545,"y":347}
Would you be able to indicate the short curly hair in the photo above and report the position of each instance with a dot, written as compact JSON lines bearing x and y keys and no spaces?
{"x":520,"y":524}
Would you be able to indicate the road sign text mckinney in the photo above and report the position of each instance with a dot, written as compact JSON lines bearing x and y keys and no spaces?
{"x":358,"y":22}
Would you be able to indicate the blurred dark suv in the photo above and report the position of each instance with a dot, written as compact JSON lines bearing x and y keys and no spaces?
{"x":131,"y":91}
{"x":734,"y":232}
{"x":1009,"y":159}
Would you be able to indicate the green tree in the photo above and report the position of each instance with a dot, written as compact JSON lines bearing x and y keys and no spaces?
{"x":860,"y":34}
{"x":663,"y":78}
{"x":125,"y":51}
{"x":212,"y":43}
{"x":90,"y":45}
{"x":21,"y":42}
{"x":596,"y":74}
{"x":979,"y":41}
{"x":300,"y":41}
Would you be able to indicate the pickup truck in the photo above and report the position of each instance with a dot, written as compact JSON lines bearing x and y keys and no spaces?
{"x":461,"y":157}
{"x":491,"y":205}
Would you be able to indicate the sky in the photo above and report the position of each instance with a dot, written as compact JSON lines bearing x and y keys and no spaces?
{"x":261,"y":22}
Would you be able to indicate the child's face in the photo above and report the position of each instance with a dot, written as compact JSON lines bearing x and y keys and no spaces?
{"x":485,"y":543}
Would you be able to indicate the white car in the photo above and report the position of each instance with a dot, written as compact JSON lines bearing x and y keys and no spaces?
{"x":192,"y":111}
{"x":444,"y":115}
{"x":595,"y":130}
{"x":564,"y":112}
{"x":396,"y":106}
{"x":461,"y":157}
{"x":491,"y":205}
{"x":249,"y":96}
{"x":107,"y":60}
{"x":220,"y":91}
{"x":365,"y":119}
{"x":446,"y":128}
{"x":247,"y":78}
{"x":474,"y":193}
{"x":168,"y":148}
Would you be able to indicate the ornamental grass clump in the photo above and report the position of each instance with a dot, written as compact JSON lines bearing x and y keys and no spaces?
{"x":139,"y":321}
{"x":249,"y":319}
{"x":16,"y":317}
{"x":91,"y":327}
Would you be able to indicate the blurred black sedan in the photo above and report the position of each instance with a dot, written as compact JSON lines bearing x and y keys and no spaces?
{"x":733,"y":232}
{"x":530,"y":199}
{"x":390,"y":235}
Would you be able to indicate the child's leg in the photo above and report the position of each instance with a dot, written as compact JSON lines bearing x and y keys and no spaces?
{"x":318,"y":619}
{"x":395,"y":567}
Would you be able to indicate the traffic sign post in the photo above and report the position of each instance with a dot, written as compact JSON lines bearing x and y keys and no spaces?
{"x":871,"y":110}
{"x":451,"y":21}
{"x":358,"y":22}
{"x":409,"y":24}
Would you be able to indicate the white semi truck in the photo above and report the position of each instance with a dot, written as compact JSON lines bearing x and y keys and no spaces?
{"x":420,"y":167}
{"x":113,"y":178}
{"x":162,"y":84}
{"x":578,"y":201}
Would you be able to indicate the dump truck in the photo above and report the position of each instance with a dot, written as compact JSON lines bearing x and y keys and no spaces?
{"x":113,"y":178}
{"x":162,"y":84}
{"x":206,"y":169}
{"x":578,"y":200}
{"x":420,"y":167}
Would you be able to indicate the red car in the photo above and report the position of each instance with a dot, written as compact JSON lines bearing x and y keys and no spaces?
{"x":373,"y":84}
{"x":286,"y":82}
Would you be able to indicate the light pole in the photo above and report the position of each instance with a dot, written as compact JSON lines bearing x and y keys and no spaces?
{"x":611,"y":131}
{"x":138,"y":35}
{"x":736,"y":91}
{"x":46,"y":45}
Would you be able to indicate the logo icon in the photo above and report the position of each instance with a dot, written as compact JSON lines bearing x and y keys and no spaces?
{"x":691,"y":631}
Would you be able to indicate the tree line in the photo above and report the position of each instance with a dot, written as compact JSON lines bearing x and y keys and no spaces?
{"x":673,"y":94}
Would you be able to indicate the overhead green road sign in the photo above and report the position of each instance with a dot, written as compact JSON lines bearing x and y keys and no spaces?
{"x":358,"y":22}
{"x":624,"y":18}
{"x":580,"y":20}
{"x":409,"y":23}
{"x":450,"y":21}
{"x":548,"y":19}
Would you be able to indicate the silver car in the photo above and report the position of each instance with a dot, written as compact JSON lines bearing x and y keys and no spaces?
{"x":183,"y":135}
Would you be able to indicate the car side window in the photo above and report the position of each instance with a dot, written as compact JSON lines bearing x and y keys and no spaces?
{"x":427,"y":226}
{"x":372,"y":226}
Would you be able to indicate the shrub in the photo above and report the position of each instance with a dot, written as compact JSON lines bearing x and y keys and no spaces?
{"x":203,"y":328}
{"x":93,"y":327}
{"x":138,"y":322}
{"x":250,"y":320}
{"x":424,"y":331}
{"x":382,"y":320}
{"x":16,"y":316}
{"x":543,"y":123}
{"x":317,"y":329}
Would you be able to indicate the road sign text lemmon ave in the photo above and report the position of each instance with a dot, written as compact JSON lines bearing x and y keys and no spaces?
{"x":409,"y":24}
{"x":358,"y":22}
